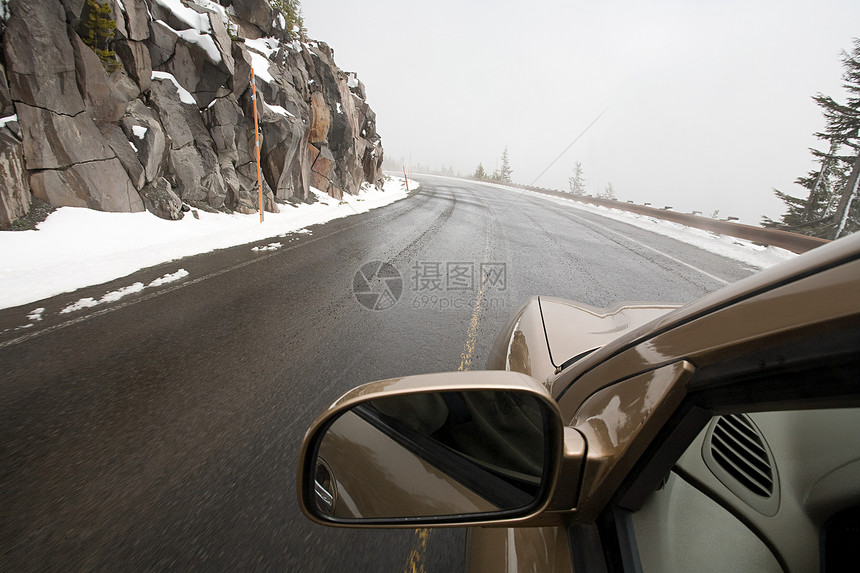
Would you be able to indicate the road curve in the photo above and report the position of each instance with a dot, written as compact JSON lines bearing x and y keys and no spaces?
{"x":161,"y":432}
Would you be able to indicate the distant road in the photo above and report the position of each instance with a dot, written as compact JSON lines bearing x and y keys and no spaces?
{"x":161,"y":433}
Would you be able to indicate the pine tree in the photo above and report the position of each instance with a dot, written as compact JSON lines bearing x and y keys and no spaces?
{"x":813,"y":215}
{"x":795,"y":218}
{"x":292,"y":11}
{"x":479,"y":172}
{"x":608,"y":192}
{"x":505,"y":172}
{"x":99,"y":31}
{"x":831,"y":208}
{"x":577,"y":181}
{"x":843,"y":126}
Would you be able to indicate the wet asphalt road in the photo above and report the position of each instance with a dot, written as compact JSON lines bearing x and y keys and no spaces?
{"x":161,"y":432}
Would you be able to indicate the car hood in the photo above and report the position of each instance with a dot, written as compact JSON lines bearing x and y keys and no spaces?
{"x":574,"y":329}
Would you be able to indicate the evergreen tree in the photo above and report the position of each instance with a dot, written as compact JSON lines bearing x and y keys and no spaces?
{"x":505,"y":172}
{"x":479,"y":172}
{"x":831,"y":208}
{"x":608,"y":192}
{"x":292,"y":12}
{"x":99,"y":32}
{"x":577,"y":181}
{"x":843,"y":126}
{"x":795,"y":217}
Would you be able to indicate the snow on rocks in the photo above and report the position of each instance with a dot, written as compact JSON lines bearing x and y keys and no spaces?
{"x":184,"y":95}
{"x":195,"y":20}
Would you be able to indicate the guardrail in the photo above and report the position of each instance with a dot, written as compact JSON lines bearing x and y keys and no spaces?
{"x":794,"y":242}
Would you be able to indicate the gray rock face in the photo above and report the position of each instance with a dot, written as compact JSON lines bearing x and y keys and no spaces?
{"x":15,"y":198}
{"x":136,"y":19}
{"x":136,"y":61}
{"x":7,"y":108}
{"x":160,"y":200}
{"x":127,"y":140}
{"x":125,"y":150}
{"x":100,"y":185}
{"x":283,"y":137}
{"x":197,"y":71}
{"x":53,"y":140}
{"x":162,"y":43}
{"x":174,"y":113}
{"x":256,"y":12}
{"x":73,"y":9}
{"x":195,"y":48}
{"x":242,"y":62}
{"x":40,"y":59}
{"x":102,"y":105}
{"x":193,"y":164}
{"x":227,"y":124}
{"x":142,"y":128}
{"x":222,"y":42}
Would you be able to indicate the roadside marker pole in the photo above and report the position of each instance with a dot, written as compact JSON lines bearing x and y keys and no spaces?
{"x":257,"y":141}
{"x":405,"y":178}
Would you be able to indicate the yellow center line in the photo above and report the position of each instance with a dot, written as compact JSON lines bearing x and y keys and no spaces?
{"x":419,"y":550}
{"x":472,"y":336}
{"x":415,"y":563}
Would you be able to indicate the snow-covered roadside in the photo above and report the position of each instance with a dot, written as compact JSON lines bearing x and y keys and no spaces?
{"x":78,"y":247}
{"x":741,"y":250}
{"x":730,"y":247}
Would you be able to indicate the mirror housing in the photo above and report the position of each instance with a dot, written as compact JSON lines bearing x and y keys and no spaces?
{"x":461,"y":448}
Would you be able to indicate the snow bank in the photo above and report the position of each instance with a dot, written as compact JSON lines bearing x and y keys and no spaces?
{"x":78,"y":247}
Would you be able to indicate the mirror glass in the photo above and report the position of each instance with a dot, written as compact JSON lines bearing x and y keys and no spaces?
{"x":432,"y":454}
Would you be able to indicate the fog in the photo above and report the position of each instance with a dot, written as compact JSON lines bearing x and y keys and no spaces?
{"x":708,"y":104}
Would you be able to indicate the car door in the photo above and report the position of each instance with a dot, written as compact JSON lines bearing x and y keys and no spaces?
{"x":754,"y":468}
{"x":756,"y":471}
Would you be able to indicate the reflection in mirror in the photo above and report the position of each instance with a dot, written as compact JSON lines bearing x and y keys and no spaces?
{"x":433,"y":454}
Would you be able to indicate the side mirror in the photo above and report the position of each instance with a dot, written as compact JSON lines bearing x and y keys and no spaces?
{"x":455,"y":448}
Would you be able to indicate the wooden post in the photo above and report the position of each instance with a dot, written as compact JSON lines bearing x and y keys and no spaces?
{"x":406,"y":179}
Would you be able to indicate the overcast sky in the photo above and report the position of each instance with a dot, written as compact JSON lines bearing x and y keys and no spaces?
{"x":709,"y":102}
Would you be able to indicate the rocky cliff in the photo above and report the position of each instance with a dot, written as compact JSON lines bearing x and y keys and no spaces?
{"x":164,"y":115}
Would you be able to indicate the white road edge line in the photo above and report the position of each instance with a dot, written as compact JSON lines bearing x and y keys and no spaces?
{"x":643,"y":245}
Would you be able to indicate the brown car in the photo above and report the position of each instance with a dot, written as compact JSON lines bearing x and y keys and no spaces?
{"x":723,"y":435}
